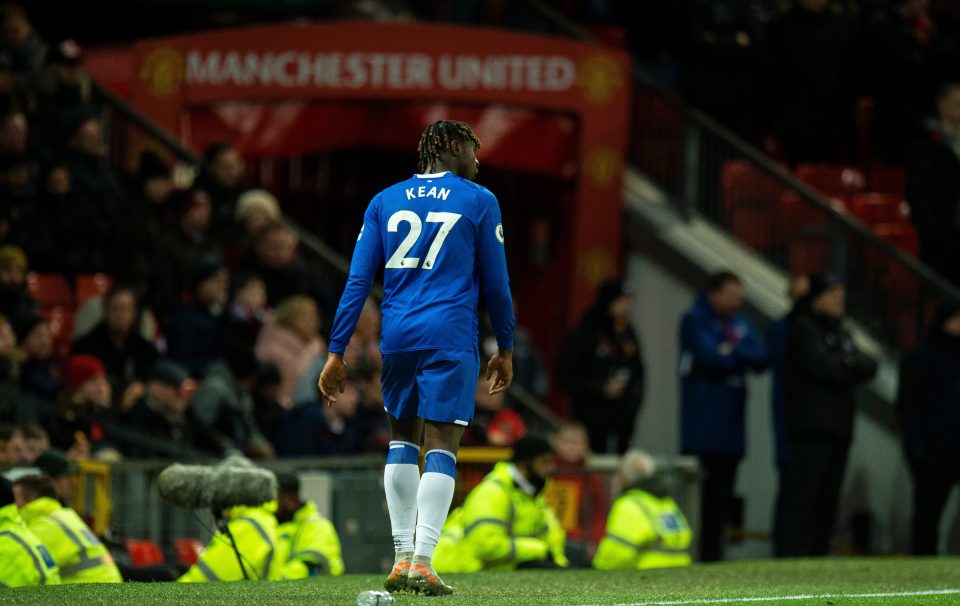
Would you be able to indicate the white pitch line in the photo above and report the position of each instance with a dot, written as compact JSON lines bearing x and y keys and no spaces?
{"x":812,"y":596}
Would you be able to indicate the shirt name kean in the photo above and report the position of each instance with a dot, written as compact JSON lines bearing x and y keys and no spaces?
{"x":423,"y":192}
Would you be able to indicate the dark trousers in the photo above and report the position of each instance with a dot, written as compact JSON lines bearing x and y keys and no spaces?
{"x":932,"y":484}
{"x":810,"y":485}
{"x":609,"y":426}
{"x":716,"y":502}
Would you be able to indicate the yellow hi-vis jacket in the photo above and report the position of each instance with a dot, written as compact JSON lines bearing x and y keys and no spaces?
{"x":644,"y":531}
{"x":313,"y":544}
{"x":79,"y":555}
{"x":254,"y":530}
{"x":24,"y":560}
{"x":498,"y":527}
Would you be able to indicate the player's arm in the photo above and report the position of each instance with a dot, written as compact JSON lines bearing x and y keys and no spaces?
{"x":367,"y":259}
{"x":492,"y":261}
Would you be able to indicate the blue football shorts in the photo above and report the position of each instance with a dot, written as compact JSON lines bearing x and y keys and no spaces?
{"x":433,"y":384}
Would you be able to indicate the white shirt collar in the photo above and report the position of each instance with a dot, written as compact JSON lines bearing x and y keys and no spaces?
{"x":521,"y":482}
{"x":431,"y":175}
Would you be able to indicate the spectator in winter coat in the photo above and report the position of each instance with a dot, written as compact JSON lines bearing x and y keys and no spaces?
{"x":602,"y":369}
{"x":196,"y":324}
{"x":84,"y":408}
{"x":719,"y":345}
{"x":222,"y":179}
{"x":284,"y":272}
{"x":127,"y":356}
{"x":929,"y":406}
{"x":824,"y":368}
{"x":292,"y":342}
{"x":36,"y":355}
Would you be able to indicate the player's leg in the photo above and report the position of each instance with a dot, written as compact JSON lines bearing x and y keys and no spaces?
{"x":401,"y":474}
{"x":447,"y":384}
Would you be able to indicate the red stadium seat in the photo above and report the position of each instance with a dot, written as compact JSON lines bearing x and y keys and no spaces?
{"x":90,"y":286}
{"x":874,"y":209}
{"x":49,"y":290}
{"x":902,"y":235}
{"x":887,"y":179}
{"x":832,"y":179}
{"x":798,"y":214}
{"x":188,"y":551}
{"x":741,"y":184}
{"x":144,"y":552}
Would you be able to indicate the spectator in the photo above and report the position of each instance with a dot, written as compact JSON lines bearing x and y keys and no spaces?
{"x":493,"y":423}
{"x":24,"y":560}
{"x":145,"y":217}
{"x":930,"y":419}
{"x":196,"y":324}
{"x":14,"y":95}
{"x":85,"y":228}
{"x":116,"y":342}
{"x":292,"y":342}
{"x":36,"y":355}
{"x":164,"y":412}
{"x":79,"y":555}
{"x":824,"y":368}
{"x":267,"y":410}
{"x":247,"y":312}
{"x":9,"y":369}
{"x":85,"y":407}
{"x":256,"y":209}
{"x":61,"y":469}
{"x":224,"y":403}
{"x":37,"y":441}
{"x":17,"y":454}
{"x":602,"y":369}
{"x":14,"y":300}
{"x":528,"y":370}
{"x":283,"y":271}
{"x":812,"y":49}
{"x":310,"y":539}
{"x":504,"y":523}
{"x":14,"y":135}
{"x":20,"y":42}
{"x":187,"y":241}
{"x":222,"y":179}
{"x":64,"y":93}
{"x":933,"y":185}
{"x":316,"y":429}
{"x":719,"y":345}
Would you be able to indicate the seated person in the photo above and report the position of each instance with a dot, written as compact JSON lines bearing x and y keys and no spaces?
{"x":311,"y":539}
{"x":505,"y":523}
{"x":24,"y":560}
{"x":645,"y":528}
{"x":79,"y":555}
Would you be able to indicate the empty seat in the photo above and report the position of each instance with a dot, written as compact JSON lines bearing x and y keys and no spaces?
{"x":144,"y":552}
{"x":742,"y":184}
{"x":902,"y":235}
{"x":832,"y":179}
{"x":188,"y":551}
{"x":90,"y":286}
{"x":885,"y":178}
{"x":874,"y":208}
{"x":49,"y":290}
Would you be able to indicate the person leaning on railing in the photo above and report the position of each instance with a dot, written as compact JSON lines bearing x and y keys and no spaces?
{"x":645,"y":528}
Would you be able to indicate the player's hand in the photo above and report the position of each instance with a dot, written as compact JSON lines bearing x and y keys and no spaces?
{"x":333,"y":379}
{"x":500,"y":368}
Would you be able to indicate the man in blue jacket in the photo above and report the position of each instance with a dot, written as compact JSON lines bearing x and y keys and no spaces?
{"x":719,"y":344}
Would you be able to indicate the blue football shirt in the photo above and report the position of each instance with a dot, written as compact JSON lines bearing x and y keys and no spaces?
{"x":439,"y":238}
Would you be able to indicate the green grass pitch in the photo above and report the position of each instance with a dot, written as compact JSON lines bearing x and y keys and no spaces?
{"x":824,"y":582}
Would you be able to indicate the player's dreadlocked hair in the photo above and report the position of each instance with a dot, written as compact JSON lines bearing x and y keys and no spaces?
{"x":437,"y":137}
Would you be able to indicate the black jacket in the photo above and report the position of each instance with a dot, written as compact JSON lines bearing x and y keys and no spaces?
{"x":130,"y":363}
{"x":186,"y":429}
{"x":823,"y":370}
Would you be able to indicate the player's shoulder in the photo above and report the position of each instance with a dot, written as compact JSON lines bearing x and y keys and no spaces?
{"x":482,"y":192}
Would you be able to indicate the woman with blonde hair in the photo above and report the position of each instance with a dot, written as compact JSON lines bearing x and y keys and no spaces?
{"x":291,"y":341}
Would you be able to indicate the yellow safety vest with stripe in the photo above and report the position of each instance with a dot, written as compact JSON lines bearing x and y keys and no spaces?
{"x":24,"y":560}
{"x":644,"y":531}
{"x":313,"y":544}
{"x":79,"y":554}
{"x":498,"y":527}
{"x":254,"y":530}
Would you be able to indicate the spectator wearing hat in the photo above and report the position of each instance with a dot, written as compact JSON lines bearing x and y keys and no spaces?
{"x":195,"y":335}
{"x":116,"y":342}
{"x":601,"y":368}
{"x":186,"y":241}
{"x":224,"y":404}
{"x":719,"y":346}
{"x":84,"y":407}
{"x":35,"y":352}
{"x":165,"y":413}
{"x":61,"y":469}
{"x":312,"y":544}
{"x":14,"y":299}
{"x":824,"y":368}
{"x":505,"y":522}
{"x":929,"y":412}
